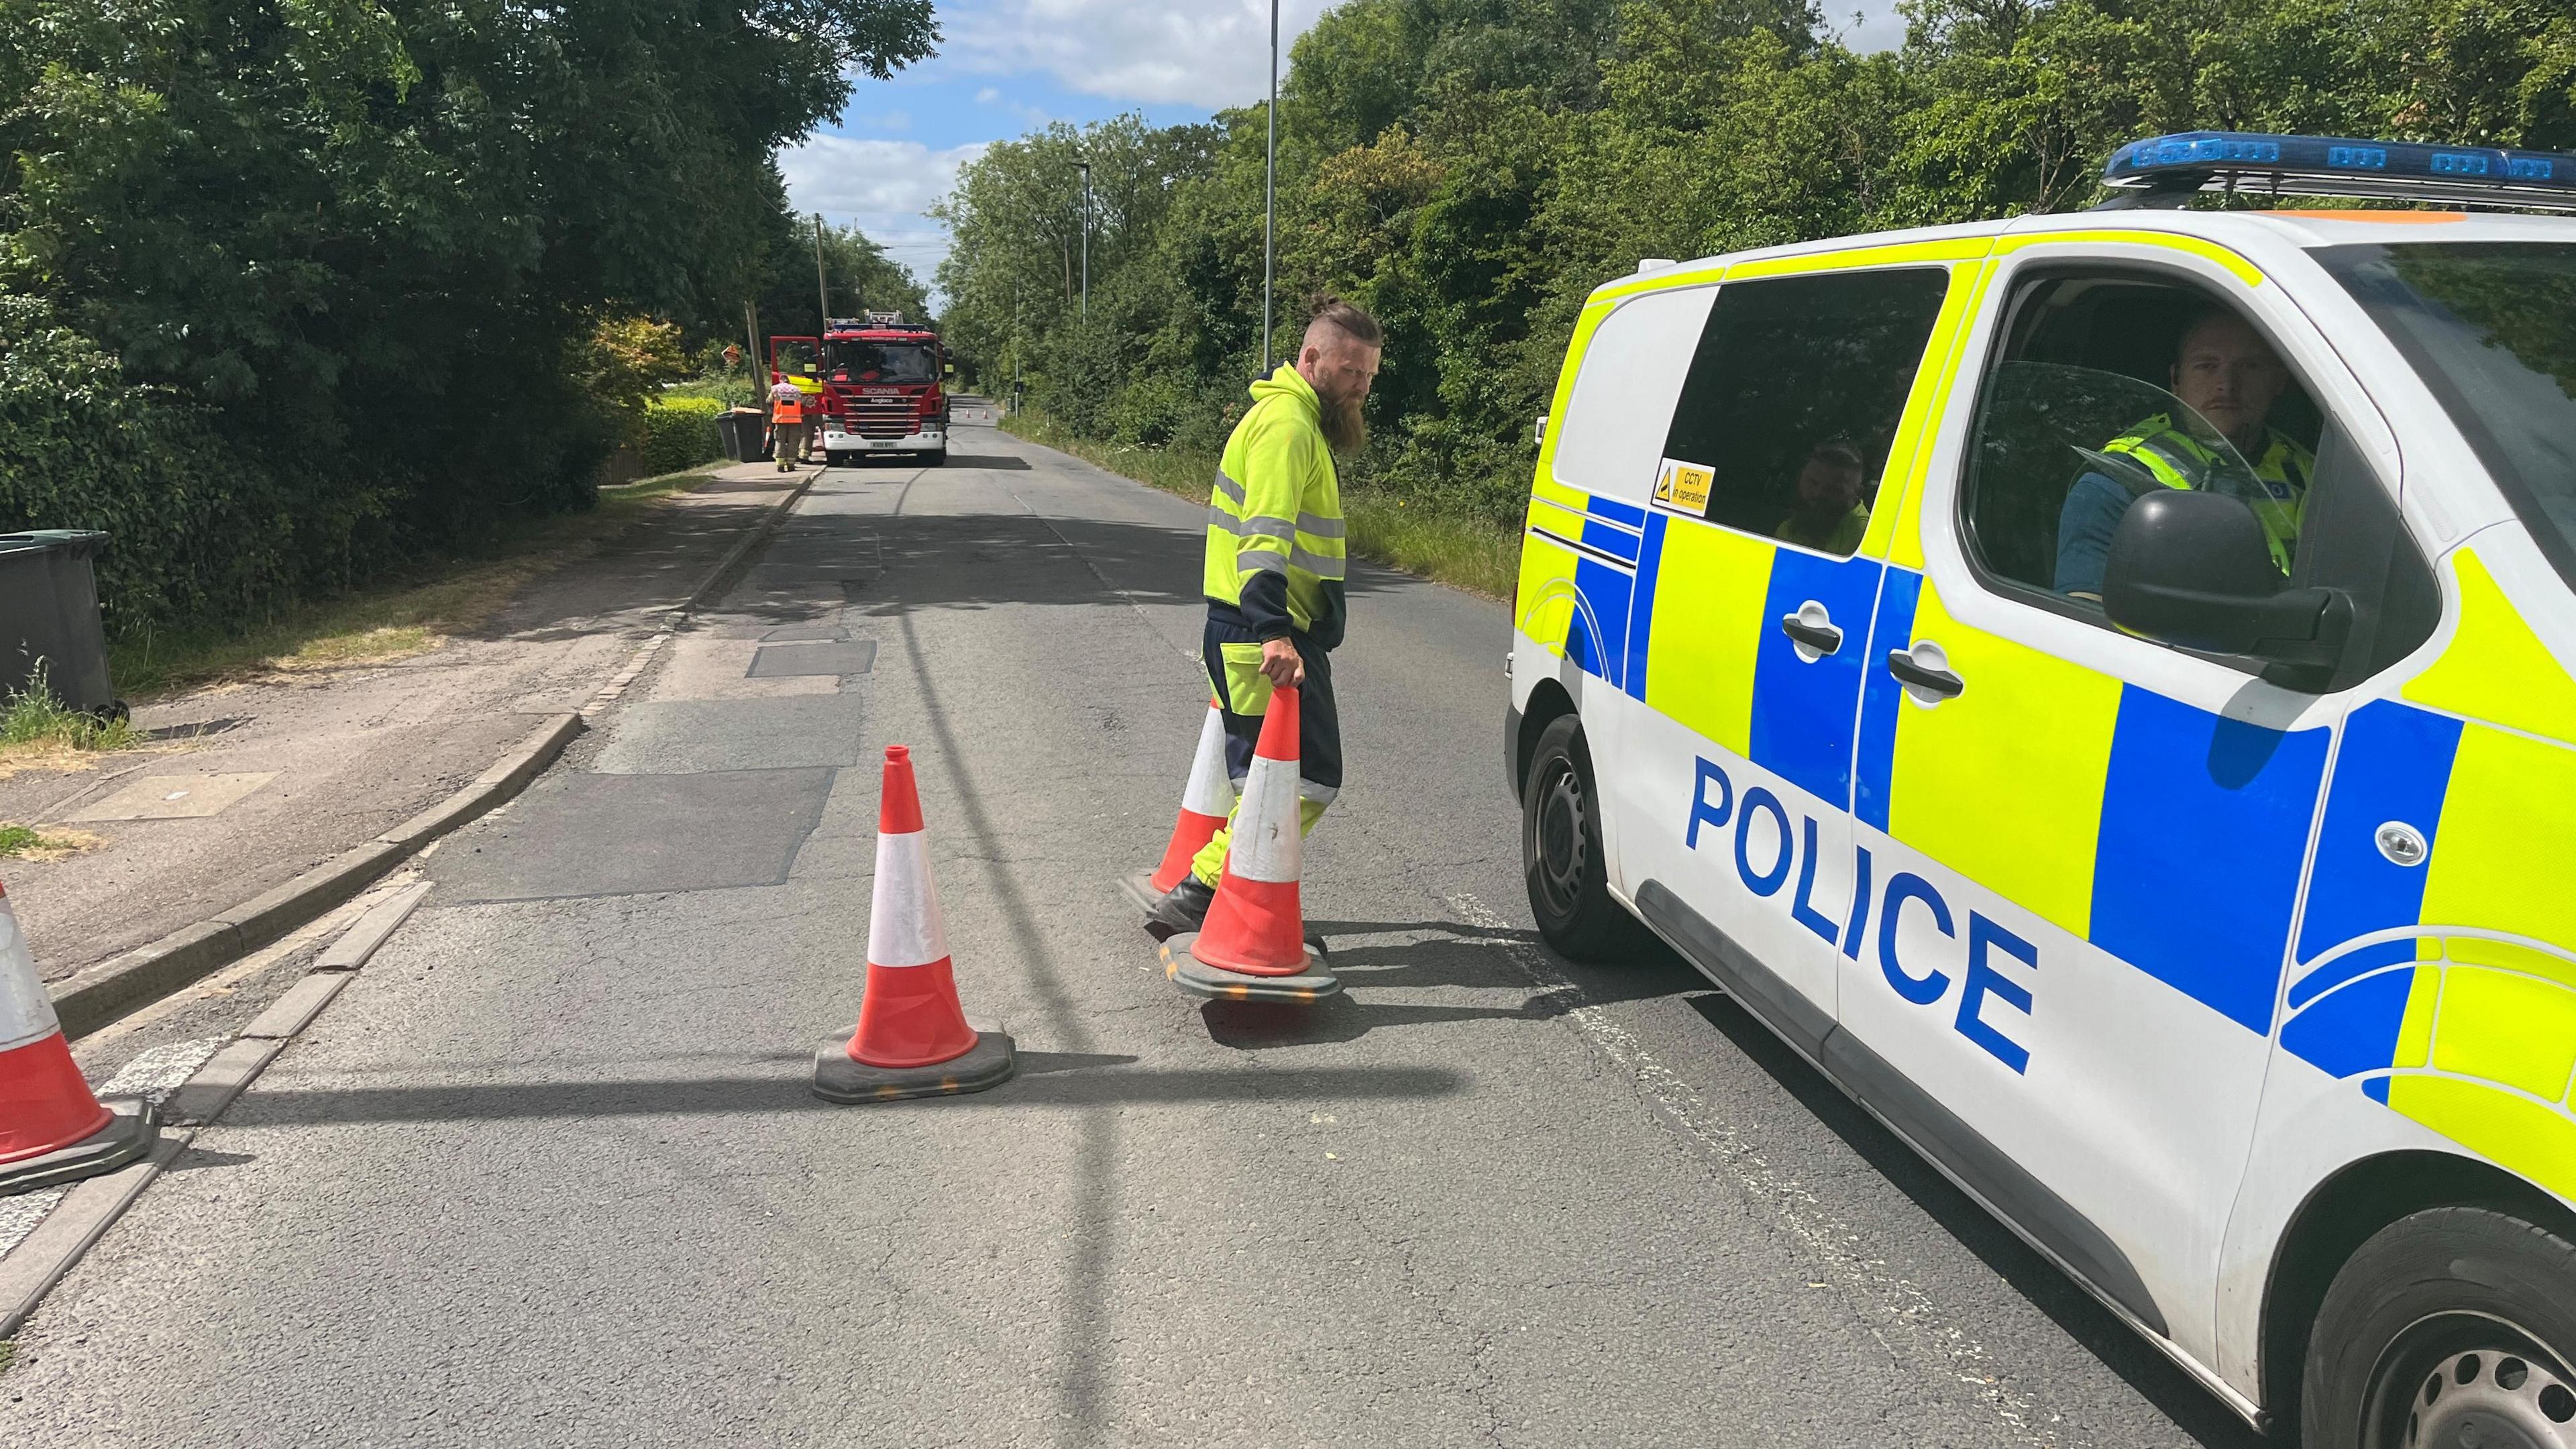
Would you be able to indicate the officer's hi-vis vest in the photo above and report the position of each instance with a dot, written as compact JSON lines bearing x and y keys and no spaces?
{"x":2177,"y":460}
{"x":784,"y":409}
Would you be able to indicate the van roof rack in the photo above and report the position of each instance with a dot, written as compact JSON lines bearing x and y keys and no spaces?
{"x":2166,"y":171}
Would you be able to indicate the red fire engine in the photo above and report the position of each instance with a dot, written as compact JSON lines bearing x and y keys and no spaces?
{"x":878,"y":382}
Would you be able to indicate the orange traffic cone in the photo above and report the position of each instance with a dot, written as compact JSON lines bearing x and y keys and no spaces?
{"x":1252,"y":946}
{"x":51,"y":1128}
{"x":913,"y":1038}
{"x":1204,"y":805}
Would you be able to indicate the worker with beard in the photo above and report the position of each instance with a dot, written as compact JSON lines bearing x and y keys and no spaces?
{"x":1274,"y":571}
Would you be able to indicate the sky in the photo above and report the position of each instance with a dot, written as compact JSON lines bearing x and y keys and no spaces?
{"x":1007,"y":67}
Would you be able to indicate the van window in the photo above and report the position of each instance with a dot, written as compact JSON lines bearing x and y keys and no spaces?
{"x":1623,"y":397}
{"x":2111,"y":386}
{"x":2491,"y":327}
{"x":1793,"y":399}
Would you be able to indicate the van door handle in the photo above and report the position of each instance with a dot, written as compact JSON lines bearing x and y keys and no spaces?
{"x":1928,"y":675}
{"x":1813,"y":628}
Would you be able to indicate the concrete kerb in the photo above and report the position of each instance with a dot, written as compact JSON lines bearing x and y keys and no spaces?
{"x":93,"y":998}
{"x":88,"y":1208}
{"x":716,"y":579}
{"x":84,"y":1215}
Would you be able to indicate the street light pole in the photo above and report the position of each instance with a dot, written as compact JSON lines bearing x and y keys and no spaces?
{"x":1270,"y":196}
{"x":1086,"y":238}
{"x":822,"y":293}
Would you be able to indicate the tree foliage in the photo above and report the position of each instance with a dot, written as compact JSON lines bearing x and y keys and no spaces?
{"x":363,"y":245}
{"x":1471,"y":169}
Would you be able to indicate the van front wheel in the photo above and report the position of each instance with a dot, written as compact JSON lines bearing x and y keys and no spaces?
{"x":2449,"y":1327}
{"x":1562,"y":859}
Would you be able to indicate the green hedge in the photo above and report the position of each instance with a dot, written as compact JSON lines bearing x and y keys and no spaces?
{"x":194,"y":529}
{"x":680,"y":432}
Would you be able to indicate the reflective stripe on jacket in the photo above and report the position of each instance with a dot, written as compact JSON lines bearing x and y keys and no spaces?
{"x":1275,"y":542}
{"x":2178,"y":460}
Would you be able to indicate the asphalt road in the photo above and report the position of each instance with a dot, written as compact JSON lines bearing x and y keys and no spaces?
{"x":548,"y":1172}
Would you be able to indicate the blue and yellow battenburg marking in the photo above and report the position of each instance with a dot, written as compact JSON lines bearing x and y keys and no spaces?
{"x":2445,"y":986}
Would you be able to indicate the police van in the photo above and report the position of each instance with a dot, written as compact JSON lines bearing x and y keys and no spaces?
{"x":2102,"y":687}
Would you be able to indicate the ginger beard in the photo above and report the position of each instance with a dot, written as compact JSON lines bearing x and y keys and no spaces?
{"x":1344,"y":428}
{"x":1340,"y":370}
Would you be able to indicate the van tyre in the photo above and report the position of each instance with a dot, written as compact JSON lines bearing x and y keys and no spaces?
{"x":2449,"y":1329}
{"x":1562,"y":860}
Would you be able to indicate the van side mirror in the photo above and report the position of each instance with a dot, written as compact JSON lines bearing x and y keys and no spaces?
{"x":2193,"y":569}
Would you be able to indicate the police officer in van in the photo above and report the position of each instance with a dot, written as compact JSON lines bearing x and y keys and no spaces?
{"x":2225,"y":372}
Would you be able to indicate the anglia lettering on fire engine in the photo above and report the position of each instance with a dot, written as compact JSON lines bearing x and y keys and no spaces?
{"x":1979,"y":976}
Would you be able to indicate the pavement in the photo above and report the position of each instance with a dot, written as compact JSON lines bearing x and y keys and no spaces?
{"x":250,"y":783}
{"x":547,"y":1171}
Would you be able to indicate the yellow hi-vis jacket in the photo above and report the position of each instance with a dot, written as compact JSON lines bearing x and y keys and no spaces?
{"x":1275,"y":535}
{"x":2179,"y":461}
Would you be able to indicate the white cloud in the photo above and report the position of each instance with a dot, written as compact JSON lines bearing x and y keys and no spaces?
{"x":881,"y":186}
{"x":850,"y":175}
{"x":1189,"y":52}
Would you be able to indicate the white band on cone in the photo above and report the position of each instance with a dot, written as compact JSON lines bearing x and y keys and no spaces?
{"x":904,"y":928}
{"x":26,"y":1008}
{"x":1211,"y":791}
{"x":1266,"y":844}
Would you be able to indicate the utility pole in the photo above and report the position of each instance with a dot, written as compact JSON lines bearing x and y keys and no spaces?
{"x":1086,"y":238}
{"x":752,"y":361}
{"x":822,"y":293}
{"x":1270,"y":196}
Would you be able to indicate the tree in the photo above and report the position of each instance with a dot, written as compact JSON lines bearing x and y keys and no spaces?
{"x":1472,"y":169}
{"x":368,"y":238}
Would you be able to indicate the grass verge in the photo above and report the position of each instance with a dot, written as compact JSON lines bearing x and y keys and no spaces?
{"x":27,"y":842}
{"x":37,"y":731}
{"x":410,"y":613}
{"x":1465,"y":553}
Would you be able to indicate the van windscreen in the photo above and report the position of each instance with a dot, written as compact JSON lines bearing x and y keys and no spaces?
{"x":2491,"y":328}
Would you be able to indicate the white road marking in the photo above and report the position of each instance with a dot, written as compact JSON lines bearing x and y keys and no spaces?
{"x":1899,"y":1306}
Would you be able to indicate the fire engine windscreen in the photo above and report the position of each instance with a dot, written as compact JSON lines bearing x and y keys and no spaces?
{"x":881,"y":362}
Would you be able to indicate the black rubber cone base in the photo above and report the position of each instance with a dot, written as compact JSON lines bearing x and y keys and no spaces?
{"x":1210,"y":983}
{"x":126,"y":1138}
{"x":838,"y":1078}
{"x":1139,"y":888}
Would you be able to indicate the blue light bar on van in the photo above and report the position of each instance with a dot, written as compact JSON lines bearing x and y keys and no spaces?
{"x":2241,"y":161}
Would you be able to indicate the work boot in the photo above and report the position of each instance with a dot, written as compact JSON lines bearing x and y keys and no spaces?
{"x":1183,"y":908}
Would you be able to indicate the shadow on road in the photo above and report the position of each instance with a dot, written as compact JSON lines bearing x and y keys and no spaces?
{"x":1087,"y":1080}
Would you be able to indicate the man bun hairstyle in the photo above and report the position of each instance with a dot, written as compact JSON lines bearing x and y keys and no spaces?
{"x":1325,"y":309}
